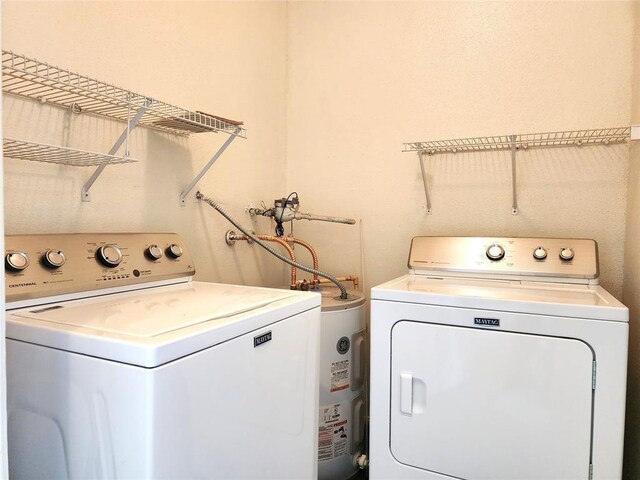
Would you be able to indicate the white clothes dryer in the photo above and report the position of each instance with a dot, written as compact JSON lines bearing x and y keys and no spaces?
{"x":497,"y":358}
{"x":121,"y":367}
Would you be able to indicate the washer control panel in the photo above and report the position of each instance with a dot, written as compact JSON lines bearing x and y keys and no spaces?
{"x":542,"y":258}
{"x":48,"y":265}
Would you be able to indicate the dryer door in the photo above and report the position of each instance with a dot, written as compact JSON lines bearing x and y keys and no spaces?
{"x":484,"y":404}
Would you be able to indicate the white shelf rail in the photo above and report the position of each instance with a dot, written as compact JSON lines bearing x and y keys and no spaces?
{"x":39,"y":152}
{"x":568,"y":138}
{"x":31,"y":78}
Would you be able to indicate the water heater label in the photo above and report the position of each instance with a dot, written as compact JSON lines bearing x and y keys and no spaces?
{"x":332,"y":432}
{"x":261,"y":339}
{"x":340,"y":375}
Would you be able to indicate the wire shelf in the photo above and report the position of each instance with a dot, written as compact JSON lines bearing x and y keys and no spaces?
{"x":569,"y":138}
{"x":40,"y":152}
{"x":31,"y":78}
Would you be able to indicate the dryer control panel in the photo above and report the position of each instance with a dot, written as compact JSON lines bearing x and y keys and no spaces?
{"x":39,"y":266}
{"x":540,"y":259}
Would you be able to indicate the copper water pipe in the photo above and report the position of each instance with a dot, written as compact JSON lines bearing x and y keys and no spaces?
{"x":313,"y":253}
{"x":348,"y":278}
{"x":271,"y":238}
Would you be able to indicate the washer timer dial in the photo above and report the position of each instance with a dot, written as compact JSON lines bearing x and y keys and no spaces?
{"x":109,"y":255}
{"x":495,"y":252}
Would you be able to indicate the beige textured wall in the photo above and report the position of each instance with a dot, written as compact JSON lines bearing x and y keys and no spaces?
{"x":635,"y":99}
{"x":631,"y":296}
{"x":364,"y":77}
{"x":225,"y":58}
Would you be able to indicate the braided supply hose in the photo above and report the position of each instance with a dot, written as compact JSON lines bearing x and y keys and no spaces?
{"x":221,"y":211}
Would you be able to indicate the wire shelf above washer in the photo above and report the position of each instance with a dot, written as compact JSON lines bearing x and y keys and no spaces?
{"x":46,"y":83}
{"x":568,"y":138}
{"x":39,"y":152}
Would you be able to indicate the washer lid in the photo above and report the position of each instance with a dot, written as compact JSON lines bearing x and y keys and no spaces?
{"x":156,"y":325}
{"x":564,"y":300}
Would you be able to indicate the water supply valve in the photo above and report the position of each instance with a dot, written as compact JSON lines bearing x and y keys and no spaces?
{"x":286,"y":210}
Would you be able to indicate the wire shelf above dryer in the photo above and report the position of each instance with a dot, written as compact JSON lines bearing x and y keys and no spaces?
{"x":568,"y":138}
{"x":515,"y":142}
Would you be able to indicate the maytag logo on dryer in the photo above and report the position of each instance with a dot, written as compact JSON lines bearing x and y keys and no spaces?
{"x":486,"y":322}
{"x":261,"y":339}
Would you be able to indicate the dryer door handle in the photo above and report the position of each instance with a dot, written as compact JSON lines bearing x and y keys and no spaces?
{"x":406,"y":393}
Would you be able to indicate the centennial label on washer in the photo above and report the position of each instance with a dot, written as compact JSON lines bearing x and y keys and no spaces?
{"x":332,"y":432}
{"x":340,"y":375}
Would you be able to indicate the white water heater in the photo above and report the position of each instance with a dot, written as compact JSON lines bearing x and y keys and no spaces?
{"x":342,"y":412}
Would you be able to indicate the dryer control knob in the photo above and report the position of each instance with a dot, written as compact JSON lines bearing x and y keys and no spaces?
{"x":16,"y":261}
{"x":495,"y":252}
{"x":53,"y":258}
{"x":567,"y":254}
{"x":174,"y":250}
{"x":109,"y":255}
{"x":540,"y":253}
{"x":154,"y":252}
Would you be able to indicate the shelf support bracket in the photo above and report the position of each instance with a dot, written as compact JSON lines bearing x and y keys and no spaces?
{"x":86,"y":196}
{"x":206,"y":168}
{"x":424,"y":181}
{"x":514,"y":204}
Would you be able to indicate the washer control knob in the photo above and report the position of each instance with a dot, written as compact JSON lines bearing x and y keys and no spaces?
{"x":495,"y":252}
{"x":567,"y":254}
{"x":109,"y":255}
{"x":174,"y":250}
{"x":53,"y":258}
{"x":154,"y":252}
{"x":540,"y":253}
{"x":16,"y":261}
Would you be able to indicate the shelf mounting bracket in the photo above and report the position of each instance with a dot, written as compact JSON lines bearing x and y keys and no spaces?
{"x":206,"y":168}
{"x":514,"y":204}
{"x":424,"y":181}
{"x":85,"y":195}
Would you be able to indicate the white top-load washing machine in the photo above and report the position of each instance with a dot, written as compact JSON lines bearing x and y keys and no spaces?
{"x":120,"y":366}
{"x":497,"y":358}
